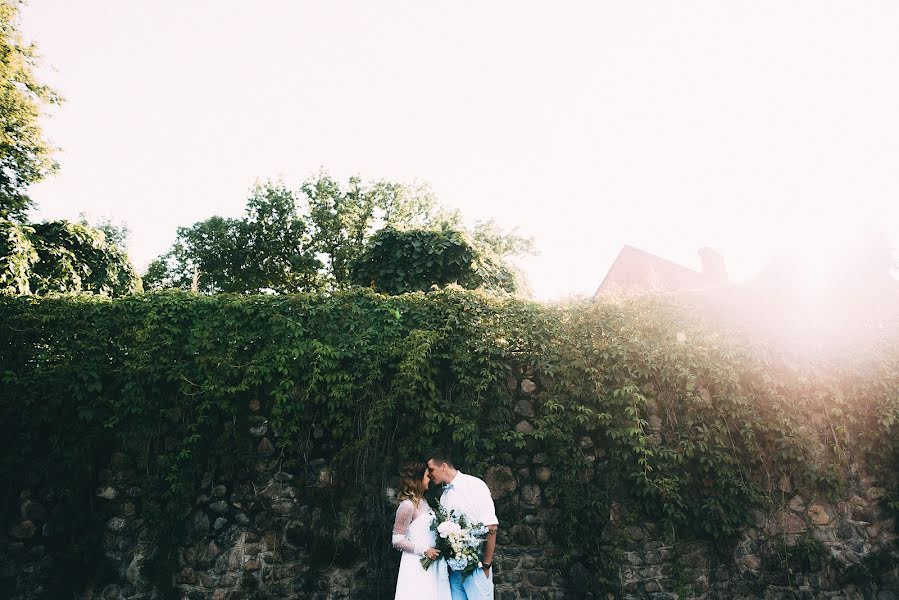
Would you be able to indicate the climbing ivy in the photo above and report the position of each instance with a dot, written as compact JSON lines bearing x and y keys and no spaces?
{"x":641,"y":403}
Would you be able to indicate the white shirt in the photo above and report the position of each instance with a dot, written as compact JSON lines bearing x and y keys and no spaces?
{"x":470,"y":496}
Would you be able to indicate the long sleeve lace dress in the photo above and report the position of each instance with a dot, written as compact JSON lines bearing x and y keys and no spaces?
{"x":412,"y":535}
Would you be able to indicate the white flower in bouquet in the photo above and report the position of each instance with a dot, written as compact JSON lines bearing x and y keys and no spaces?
{"x":449,"y":528}
{"x":459,"y":541}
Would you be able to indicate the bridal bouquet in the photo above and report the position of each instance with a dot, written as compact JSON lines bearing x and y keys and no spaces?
{"x":458,"y":540}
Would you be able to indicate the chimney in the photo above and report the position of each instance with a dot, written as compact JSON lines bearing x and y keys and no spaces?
{"x":712,"y":266}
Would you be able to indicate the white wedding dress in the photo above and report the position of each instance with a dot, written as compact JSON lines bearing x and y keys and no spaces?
{"x":412,"y":534}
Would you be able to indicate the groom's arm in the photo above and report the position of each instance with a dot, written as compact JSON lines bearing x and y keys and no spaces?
{"x":491,"y":544}
{"x":492,"y":523}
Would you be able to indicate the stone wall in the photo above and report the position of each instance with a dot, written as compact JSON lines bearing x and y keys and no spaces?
{"x":268,"y":531}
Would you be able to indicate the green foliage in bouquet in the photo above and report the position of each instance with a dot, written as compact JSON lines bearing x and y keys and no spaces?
{"x":460,"y":542}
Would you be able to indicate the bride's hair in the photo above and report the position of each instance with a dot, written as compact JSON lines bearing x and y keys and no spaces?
{"x":411,"y":474}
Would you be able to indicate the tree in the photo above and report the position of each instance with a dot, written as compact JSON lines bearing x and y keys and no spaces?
{"x":343,"y":219}
{"x":488,"y":236}
{"x":116,"y":234}
{"x":25,"y":154}
{"x":210,"y":247}
{"x":60,"y":256}
{"x":398,"y":261}
{"x":269,"y":250}
{"x":285,"y":245}
{"x":17,"y":256}
{"x":76,"y":258}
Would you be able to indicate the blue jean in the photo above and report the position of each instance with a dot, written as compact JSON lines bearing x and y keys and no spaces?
{"x":476,"y":586}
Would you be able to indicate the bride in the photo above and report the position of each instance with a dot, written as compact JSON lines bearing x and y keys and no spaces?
{"x":412,"y":534}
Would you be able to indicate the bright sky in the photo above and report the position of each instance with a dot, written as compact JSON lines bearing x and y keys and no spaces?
{"x":666,"y":125}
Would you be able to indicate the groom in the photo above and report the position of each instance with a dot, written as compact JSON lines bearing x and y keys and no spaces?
{"x":470,"y":496}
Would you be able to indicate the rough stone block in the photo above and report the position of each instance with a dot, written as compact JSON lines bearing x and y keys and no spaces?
{"x":525,"y":408}
{"x":819,"y":514}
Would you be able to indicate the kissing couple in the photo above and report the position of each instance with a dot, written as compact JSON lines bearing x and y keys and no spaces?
{"x":447,"y":552}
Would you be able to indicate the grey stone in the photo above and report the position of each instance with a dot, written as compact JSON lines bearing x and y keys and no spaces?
{"x":538,"y":578}
{"x":524,"y":535}
{"x":524,"y":427}
{"x":219,"y":507}
{"x":265,"y":447}
{"x":200,"y":521}
{"x":819,"y":514}
{"x":525,"y":408}
{"x":797,"y":504}
{"x":134,"y":572}
{"x":325,"y":478}
{"x":116,"y":524}
{"x":786,"y":522}
{"x":752,"y":562}
{"x":108,"y":493}
{"x":283,"y":507}
{"x":875,"y":493}
{"x":528,"y":386}
{"x":23,"y":530}
{"x":500,"y":481}
{"x":511,"y":381}
{"x":845,"y":531}
{"x":543,"y":473}
{"x":530,"y":497}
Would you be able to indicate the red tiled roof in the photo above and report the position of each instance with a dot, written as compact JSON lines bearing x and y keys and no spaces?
{"x":635,"y":271}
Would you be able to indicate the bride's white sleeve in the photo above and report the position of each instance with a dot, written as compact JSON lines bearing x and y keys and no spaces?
{"x":404,"y":516}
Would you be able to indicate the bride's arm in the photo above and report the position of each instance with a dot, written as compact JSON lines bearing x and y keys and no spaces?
{"x":404,"y":515}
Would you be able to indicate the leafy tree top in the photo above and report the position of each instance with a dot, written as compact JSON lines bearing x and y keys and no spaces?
{"x":25,"y":154}
{"x":61,"y":256}
{"x":399,"y":261}
{"x":311,"y":240}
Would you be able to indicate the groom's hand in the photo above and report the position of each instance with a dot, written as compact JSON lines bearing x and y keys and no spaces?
{"x":432,"y":553}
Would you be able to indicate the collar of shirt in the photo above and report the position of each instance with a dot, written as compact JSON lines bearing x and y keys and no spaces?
{"x":458,"y":478}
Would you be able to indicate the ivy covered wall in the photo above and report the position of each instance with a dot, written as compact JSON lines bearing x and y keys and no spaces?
{"x":620,"y":440}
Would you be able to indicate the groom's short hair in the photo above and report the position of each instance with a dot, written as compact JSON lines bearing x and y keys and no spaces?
{"x":442,"y":456}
